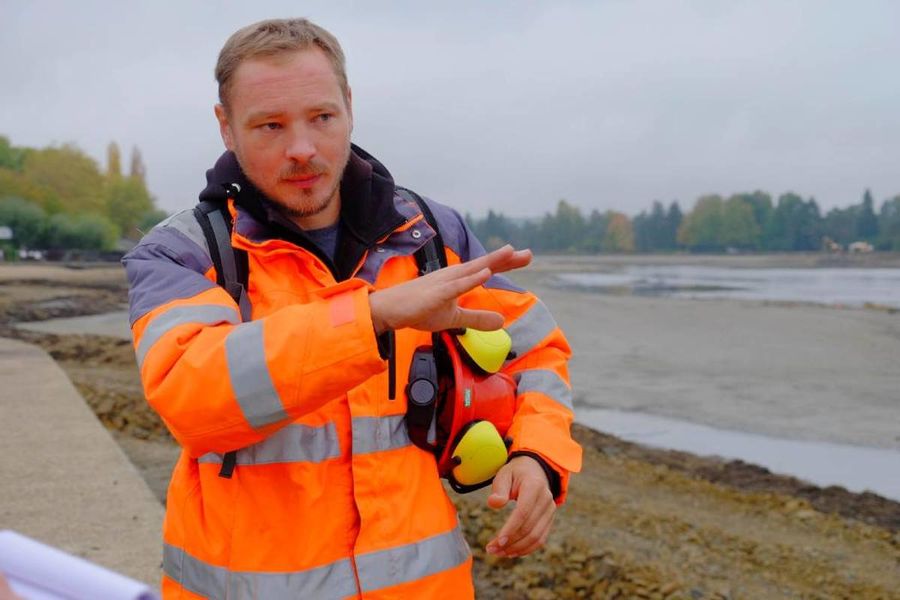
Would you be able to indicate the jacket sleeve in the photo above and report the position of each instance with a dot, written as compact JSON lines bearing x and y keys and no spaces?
{"x":220,"y":384}
{"x":544,"y":413}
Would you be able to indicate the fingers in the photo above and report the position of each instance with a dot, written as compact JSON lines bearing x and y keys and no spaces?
{"x":484,"y":320}
{"x":534,"y":538}
{"x":500,"y":489}
{"x":501,"y":492}
{"x":513,"y":523}
{"x":522,"y":518}
{"x":489,"y":260}
{"x":500,"y":260}
{"x":519,"y":259}
{"x":528,"y":525}
{"x":463,"y":277}
{"x":429,"y":302}
{"x":464,"y":282}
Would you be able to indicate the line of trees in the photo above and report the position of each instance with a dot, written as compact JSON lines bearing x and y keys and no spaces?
{"x":59,"y":198}
{"x":740,"y":222}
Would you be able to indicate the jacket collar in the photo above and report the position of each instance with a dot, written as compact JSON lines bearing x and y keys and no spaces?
{"x":367,"y":208}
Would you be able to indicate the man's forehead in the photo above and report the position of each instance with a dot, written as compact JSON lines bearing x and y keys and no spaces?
{"x":299,"y":64}
{"x":276,"y":77}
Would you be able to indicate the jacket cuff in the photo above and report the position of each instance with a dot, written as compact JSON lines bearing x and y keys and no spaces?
{"x":553,"y":478}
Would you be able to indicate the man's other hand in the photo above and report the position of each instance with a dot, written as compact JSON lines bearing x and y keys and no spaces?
{"x":527,"y":528}
{"x":6,"y":592}
{"x":429,"y":303}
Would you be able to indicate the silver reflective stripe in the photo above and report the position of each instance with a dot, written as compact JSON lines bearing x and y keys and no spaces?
{"x":385,"y":568}
{"x":334,"y":580}
{"x":193,"y":574}
{"x":546,"y":382}
{"x":206,"y":314}
{"x":531,"y":328}
{"x":185,"y":222}
{"x":306,"y":443}
{"x":294,"y":443}
{"x":376,"y":434}
{"x":250,"y":379}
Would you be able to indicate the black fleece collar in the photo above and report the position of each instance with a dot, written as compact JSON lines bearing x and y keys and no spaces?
{"x":367,"y":207}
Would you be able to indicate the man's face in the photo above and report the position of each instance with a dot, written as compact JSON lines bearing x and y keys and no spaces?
{"x":289,"y":125}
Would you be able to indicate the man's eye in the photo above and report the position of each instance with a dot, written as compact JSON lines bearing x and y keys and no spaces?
{"x":271,"y":126}
{"x":325,"y":117}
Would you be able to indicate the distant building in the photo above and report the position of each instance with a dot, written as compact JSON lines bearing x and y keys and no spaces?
{"x":860,"y":248}
{"x":6,"y":233}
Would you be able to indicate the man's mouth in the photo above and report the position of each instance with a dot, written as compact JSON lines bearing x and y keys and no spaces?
{"x":303,"y":181}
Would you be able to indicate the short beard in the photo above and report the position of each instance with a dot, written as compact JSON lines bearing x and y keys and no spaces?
{"x":300,"y":213}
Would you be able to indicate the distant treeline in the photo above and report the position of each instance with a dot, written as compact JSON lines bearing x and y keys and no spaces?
{"x":741,"y":222}
{"x":59,"y":198}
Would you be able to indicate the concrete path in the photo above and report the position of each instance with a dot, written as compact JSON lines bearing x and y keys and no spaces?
{"x":63,"y":480}
{"x":114,"y":324}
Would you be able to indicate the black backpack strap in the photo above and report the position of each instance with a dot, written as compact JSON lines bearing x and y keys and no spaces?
{"x":421,"y":418}
{"x":232,"y":273}
{"x":431,"y":256}
{"x":230,"y":262}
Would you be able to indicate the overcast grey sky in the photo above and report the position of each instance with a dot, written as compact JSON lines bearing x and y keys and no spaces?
{"x":503,"y":105}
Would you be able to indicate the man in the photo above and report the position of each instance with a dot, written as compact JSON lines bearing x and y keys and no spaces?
{"x":328,"y":497}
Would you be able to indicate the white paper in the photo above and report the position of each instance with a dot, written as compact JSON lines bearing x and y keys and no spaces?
{"x":36,"y":571}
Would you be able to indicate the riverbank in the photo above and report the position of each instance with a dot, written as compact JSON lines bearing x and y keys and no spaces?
{"x":640,"y":521}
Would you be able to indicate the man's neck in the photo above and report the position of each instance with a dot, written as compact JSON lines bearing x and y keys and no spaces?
{"x":320,"y":220}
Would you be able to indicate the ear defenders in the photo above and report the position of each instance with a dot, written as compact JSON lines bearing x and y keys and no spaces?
{"x":459,"y":406}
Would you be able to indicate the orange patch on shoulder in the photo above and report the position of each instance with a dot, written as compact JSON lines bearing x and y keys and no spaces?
{"x":342,"y":310}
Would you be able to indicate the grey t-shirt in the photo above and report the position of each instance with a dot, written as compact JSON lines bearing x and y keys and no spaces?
{"x":325,"y":238}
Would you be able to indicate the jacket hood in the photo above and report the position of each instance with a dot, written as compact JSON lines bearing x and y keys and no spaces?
{"x":367,"y":205}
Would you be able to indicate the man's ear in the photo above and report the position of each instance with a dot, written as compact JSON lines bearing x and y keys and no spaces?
{"x":350,"y":107}
{"x":224,"y":126}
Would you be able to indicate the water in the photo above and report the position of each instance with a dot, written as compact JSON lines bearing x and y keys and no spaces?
{"x":848,"y":287}
{"x":856,"y":468}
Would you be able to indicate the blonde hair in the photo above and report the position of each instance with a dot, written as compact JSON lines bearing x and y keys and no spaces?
{"x":272,"y":38}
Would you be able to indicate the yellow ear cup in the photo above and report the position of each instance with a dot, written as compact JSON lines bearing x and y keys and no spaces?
{"x":487,"y":348}
{"x":479,"y":454}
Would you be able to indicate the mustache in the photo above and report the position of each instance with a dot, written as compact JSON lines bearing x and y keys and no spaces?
{"x":313,"y":167}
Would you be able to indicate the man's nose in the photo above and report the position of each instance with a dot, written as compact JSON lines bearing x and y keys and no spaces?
{"x":301,"y":147}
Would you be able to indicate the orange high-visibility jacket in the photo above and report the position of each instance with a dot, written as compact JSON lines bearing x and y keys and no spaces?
{"x":329,"y":498}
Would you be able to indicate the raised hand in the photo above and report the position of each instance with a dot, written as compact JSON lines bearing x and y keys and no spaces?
{"x":429,"y":303}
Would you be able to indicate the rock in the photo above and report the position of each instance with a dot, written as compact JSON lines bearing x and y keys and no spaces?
{"x":578,"y":557}
{"x":577,"y":580}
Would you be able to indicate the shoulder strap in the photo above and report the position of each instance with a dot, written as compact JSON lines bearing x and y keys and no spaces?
{"x":421,"y":418}
{"x":230,"y":262}
{"x":431,"y":256}
{"x":231,"y":273}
